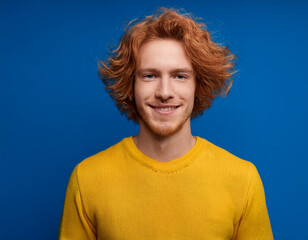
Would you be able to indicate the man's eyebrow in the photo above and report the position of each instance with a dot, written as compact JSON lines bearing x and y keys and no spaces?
{"x":183,"y":70}
{"x":141,"y":70}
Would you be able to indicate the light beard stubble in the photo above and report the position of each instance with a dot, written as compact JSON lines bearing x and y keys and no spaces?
{"x":161,"y":129}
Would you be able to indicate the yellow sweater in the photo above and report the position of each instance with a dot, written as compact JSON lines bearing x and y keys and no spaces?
{"x":121,"y":194}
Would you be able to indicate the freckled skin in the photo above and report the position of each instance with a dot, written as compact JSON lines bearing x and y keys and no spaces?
{"x":164,"y":78}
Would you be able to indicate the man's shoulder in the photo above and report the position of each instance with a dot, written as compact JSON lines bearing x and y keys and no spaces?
{"x":231,"y":168}
{"x":222,"y":157}
{"x":103,"y":159}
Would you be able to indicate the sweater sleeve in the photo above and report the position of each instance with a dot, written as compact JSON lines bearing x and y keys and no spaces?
{"x":254,"y":222}
{"x":75,"y":223}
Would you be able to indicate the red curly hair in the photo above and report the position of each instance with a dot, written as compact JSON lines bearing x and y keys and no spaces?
{"x":213,"y":64}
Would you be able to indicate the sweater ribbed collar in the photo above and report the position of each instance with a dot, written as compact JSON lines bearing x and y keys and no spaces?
{"x":164,"y":167}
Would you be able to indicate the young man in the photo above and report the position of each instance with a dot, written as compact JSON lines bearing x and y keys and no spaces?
{"x":165,"y":183}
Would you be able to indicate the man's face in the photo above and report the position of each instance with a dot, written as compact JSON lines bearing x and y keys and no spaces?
{"x":164,"y":87}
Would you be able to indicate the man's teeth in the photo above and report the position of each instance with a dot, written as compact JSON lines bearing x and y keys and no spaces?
{"x":165,"y":108}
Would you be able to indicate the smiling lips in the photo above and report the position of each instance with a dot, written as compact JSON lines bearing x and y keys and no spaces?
{"x":164,"y":109}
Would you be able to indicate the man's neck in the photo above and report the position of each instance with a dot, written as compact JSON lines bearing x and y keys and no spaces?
{"x":164,"y":149}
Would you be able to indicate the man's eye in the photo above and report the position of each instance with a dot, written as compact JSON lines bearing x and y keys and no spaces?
{"x":149,"y":76}
{"x":181,"y":77}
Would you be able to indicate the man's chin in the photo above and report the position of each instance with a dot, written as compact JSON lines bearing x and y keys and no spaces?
{"x":163,"y":130}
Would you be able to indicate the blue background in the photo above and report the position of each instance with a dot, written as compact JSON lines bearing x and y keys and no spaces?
{"x":55,"y":112}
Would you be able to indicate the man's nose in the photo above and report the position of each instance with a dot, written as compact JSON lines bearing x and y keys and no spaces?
{"x":164,"y":90}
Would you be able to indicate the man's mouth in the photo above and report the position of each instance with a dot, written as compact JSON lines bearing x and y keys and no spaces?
{"x":164,"y":108}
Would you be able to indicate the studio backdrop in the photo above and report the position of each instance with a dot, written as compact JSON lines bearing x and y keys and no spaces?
{"x":55,"y":111}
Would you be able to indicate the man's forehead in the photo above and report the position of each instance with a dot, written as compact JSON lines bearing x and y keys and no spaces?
{"x":163,"y":54}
